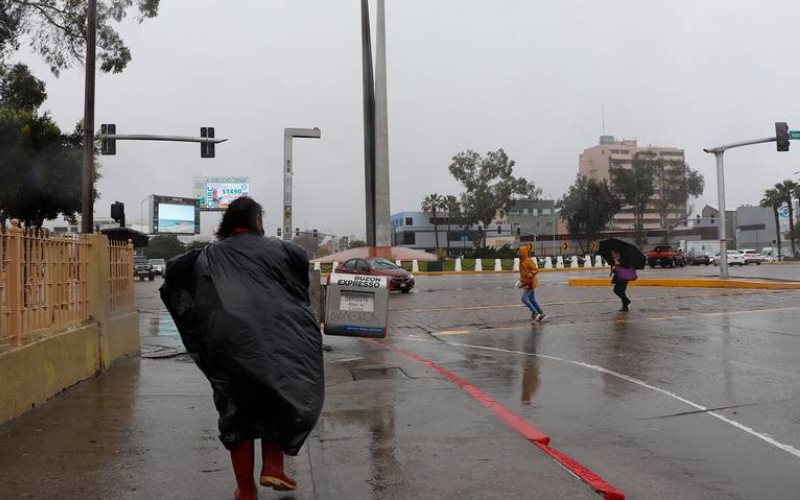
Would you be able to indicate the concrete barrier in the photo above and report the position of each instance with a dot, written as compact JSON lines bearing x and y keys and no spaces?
{"x":334,"y":266}
{"x":573,"y":263}
{"x":399,"y":263}
{"x":598,"y":261}
{"x":415,"y":266}
{"x":516,"y":264}
{"x":458,"y":266}
{"x":587,"y":262}
{"x":548,"y":263}
{"x":559,"y":262}
{"x":498,"y":265}
{"x":317,"y":266}
{"x":478,"y":265}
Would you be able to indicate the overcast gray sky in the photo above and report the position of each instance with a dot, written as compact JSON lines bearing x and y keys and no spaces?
{"x":531,"y":77}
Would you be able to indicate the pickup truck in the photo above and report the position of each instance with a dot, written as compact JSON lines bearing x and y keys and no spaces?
{"x":142,"y":268}
{"x":666,"y":256}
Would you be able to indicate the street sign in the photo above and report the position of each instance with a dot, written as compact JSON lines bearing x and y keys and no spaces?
{"x":794,"y":135}
{"x":564,"y":246}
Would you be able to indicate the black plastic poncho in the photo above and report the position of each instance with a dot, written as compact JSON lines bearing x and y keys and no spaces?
{"x":242,"y":308}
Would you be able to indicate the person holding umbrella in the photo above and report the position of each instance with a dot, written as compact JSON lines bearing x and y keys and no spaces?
{"x":625,"y":258}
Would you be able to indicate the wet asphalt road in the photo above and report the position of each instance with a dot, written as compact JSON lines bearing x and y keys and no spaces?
{"x":693,"y":394}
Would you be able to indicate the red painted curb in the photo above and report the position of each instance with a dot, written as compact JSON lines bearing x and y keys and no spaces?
{"x":522,"y":426}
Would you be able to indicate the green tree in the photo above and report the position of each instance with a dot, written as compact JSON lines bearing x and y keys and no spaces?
{"x":197,"y":244}
{"x":20,"y":90}
{"x":308,"y":243}
{"x":490,"y":187}
{"x":677,"y":183}
{"x":637,"y":186}
{"x":356,"y":244}
{"x":431,"y":204}
{"x":774,"y":200}
{"x":787,"y":190}
{"x":56,"y":30}
{"x":41,"y":167}
{"x":453,"y":208}
{"x":164,"y":246}
{"x":588,"y":208}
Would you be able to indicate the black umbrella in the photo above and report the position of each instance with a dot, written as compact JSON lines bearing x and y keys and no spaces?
{"x":630,"y":254}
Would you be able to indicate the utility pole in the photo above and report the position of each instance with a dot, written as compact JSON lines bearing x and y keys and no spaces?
{"x":382,"y":199}
{"x":87,"y":199}
{"x":369,"y":121}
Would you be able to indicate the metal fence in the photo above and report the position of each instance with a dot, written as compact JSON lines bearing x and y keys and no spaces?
{"x":44,"y":281}
{"x":120,"y":276}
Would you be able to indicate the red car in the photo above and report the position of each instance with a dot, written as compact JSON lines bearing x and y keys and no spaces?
{"x":399,"y":278}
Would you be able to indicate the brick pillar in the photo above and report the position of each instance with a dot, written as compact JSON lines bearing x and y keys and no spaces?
{"x":100,"y":291}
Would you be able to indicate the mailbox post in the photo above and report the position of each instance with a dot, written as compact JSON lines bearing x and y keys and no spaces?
{"x":357,"y":306}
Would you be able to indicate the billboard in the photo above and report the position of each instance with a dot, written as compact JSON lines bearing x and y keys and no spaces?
{"x":173,"y":215}
{"x":216,"y":193}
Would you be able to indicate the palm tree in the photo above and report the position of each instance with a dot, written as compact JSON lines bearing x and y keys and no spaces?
{"x":787,"y":190}
{"x":453,"y":208}
{"x":431,"y":204}
{"x":773,"y":199}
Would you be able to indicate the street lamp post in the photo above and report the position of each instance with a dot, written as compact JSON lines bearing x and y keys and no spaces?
{"x":288,"y":172}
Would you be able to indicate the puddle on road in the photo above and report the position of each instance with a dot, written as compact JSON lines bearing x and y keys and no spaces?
{"x":159,"y":325}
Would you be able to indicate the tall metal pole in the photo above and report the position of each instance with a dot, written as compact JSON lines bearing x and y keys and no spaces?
{"x":287,"y":187}
{"x":87,"y":200}
{"x":382,"y":196}
{"x":369,"y":122}
{"x":723,"y":237}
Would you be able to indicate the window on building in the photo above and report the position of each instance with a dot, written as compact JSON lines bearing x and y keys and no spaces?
{"x":409,"y":221}
{"x":409,"y":238}
{"x":525,"y":211}
{"x":499,"y":229}
{"x":535,"y":212}
{"x":547,"y":211}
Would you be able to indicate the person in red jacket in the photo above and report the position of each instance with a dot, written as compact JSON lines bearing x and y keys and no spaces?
{"x":529,"y":280}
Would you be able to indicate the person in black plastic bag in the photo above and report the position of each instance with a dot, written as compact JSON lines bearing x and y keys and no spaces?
{"x":242,"y":308}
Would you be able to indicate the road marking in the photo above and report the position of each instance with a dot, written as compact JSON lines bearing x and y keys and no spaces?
{"x":764,"y":437}
{"x":594,"y":301}
{"x":532,"y":434}
{"x":636,"y":319}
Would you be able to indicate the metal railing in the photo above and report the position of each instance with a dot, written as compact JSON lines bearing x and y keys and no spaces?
{"x":120,"y":276}
{"x":45,"y":280}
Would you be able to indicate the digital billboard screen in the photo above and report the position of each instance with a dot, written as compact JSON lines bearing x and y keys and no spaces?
{"x":216,"y":193}
{"x":175,"y":215}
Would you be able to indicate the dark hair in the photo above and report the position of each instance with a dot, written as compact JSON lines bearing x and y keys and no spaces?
{"x":242,"y":213}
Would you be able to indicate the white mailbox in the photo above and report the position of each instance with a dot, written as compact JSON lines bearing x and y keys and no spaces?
{"x":357,"y":305}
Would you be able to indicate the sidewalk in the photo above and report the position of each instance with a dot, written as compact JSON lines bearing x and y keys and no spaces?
{"x":391,"y":428}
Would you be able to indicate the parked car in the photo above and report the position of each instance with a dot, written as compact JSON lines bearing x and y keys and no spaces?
{"x":399,"y":278}
{"x":751,"y":256}
{"x":142,"y":268}
{"x":734,"y":259}
{"x":666,"y":256}
{"x":697,"y":259}
{"x":159,"y":266}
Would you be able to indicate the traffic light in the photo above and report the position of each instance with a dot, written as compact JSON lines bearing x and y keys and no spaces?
{"x":118,"y":213}
{"x":207,"y":148}
{"x":782,"y":136}
{"x":279,"y":232}
{"x":297,"y":232}
{"x":315,"y":233}
{"x":108,"y":146}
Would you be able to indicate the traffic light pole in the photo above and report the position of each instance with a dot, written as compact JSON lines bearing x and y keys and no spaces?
{"x":719,"y":153}
{"x":87,"y":194}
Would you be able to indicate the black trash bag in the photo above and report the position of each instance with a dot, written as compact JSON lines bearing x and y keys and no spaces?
{"x":242,"y":308}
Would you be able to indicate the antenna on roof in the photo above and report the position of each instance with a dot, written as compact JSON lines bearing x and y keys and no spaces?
{"x":604,"y":119}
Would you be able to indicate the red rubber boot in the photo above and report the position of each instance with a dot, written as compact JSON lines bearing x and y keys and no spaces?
{"x":272,"y":473}
{"x":243,"y":459}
